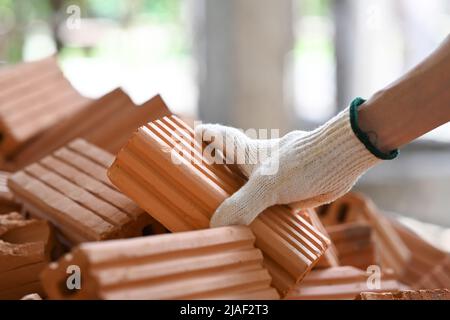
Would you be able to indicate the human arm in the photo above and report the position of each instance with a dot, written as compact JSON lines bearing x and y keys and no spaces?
{"x":413,"y":105}
{"x":317,"y":167}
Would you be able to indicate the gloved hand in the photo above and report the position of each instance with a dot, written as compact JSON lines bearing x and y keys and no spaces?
{"x":313,"y":168}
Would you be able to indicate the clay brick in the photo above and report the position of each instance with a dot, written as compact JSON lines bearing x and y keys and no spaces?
{"x":107,"y":122}
{"x":436,"y":277}
{"x":429,"y":267}
{"x":34,"y":97}
{"x":5,"y":194}
{"x":7,"y":203}
{"x":220,"y":263}
{"x":354,"y":207}
{"x":437,"y":294}
{"x":70,"y":189}
{"x":25,"y":248}
{"x":184,"y":196}
{"x":339,"y":283}
{"x":416,"y":262}
{"x":354,"y":244}
{"x":330,"y":258}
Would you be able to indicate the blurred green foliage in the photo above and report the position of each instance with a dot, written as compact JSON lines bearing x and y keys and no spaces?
{"x":30,"y":9}
{"x":163,"y":10}
{"x":315,"y":7}
{"x":318,"y":43}
{"x":16,"y":16}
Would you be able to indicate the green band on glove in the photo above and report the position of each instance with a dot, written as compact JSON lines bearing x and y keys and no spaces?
{"x":363,"y":137}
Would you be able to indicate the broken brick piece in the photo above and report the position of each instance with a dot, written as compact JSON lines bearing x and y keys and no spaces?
{"x":354,"y":207}
{"x":25,"y":248}
{"x":107,"y":122}
{"x":354,"y":244}
{"x":70,"y":189}
{"x":340,"y":283}
{"x":161,"y":168}
{"x":436,"y":294}
{"x":34,"y":97}
{"x":219,"y":263}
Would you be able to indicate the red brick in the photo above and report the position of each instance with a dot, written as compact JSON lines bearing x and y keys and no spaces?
{"x":184,"y":197}
{"x":70,"y":189}
{"x":34,"y":97}
{"x":107,"y":122}
{"x":25,"y":248}
{"x":220,"y":263}
{"x":342,"y":283}
{"x":354,"y":207}
{"x":330,"y":258}
{"x":429,"y":267}
{"x":354,"y":244}
{"x":7,"y":203}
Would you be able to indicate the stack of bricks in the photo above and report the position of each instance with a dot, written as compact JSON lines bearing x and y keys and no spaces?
{"x":354,"y":208}
{"x":106,"y":123}
{"x":123,"y":193}
{"x":70,"y":189}
{"x":415,"y":262}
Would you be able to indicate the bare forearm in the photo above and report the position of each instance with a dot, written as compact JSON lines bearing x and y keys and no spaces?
{"x":412,"y":106}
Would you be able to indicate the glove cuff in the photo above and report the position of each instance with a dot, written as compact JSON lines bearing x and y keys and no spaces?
{"x":340,"y":147}
{"x":363,"y":137}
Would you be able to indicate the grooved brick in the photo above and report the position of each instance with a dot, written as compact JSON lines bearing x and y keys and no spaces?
{"x":34,"y":97}
{"x":330,"y":258}
{"x":7,"y":203}
{"x":220,"y":263}
{"x":354,"y":244}
{"x":184,"y":196}
{"x":353,"y":207}
{"x":429,"y":267}
{"x":70,"y":189}
{"x":416,"y":262}
{"x":340,"y":283}
{"x":107,"y":122}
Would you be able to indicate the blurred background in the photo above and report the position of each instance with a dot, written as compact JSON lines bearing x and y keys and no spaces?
{"x":285,"y":64}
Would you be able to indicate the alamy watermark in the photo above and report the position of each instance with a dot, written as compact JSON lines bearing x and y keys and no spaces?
{"x":373,"y":281}
{"x":73,"y":21}
{"x":73,"y":281}
{"x":212,"y":147}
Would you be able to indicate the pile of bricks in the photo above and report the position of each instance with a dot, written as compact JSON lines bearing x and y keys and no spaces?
{"x":105,"y":199}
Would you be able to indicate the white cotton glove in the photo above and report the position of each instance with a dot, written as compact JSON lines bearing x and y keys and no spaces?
{"x":311,"y":168}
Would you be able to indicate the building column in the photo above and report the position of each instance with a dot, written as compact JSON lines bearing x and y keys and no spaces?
{"x":242,"y":51}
